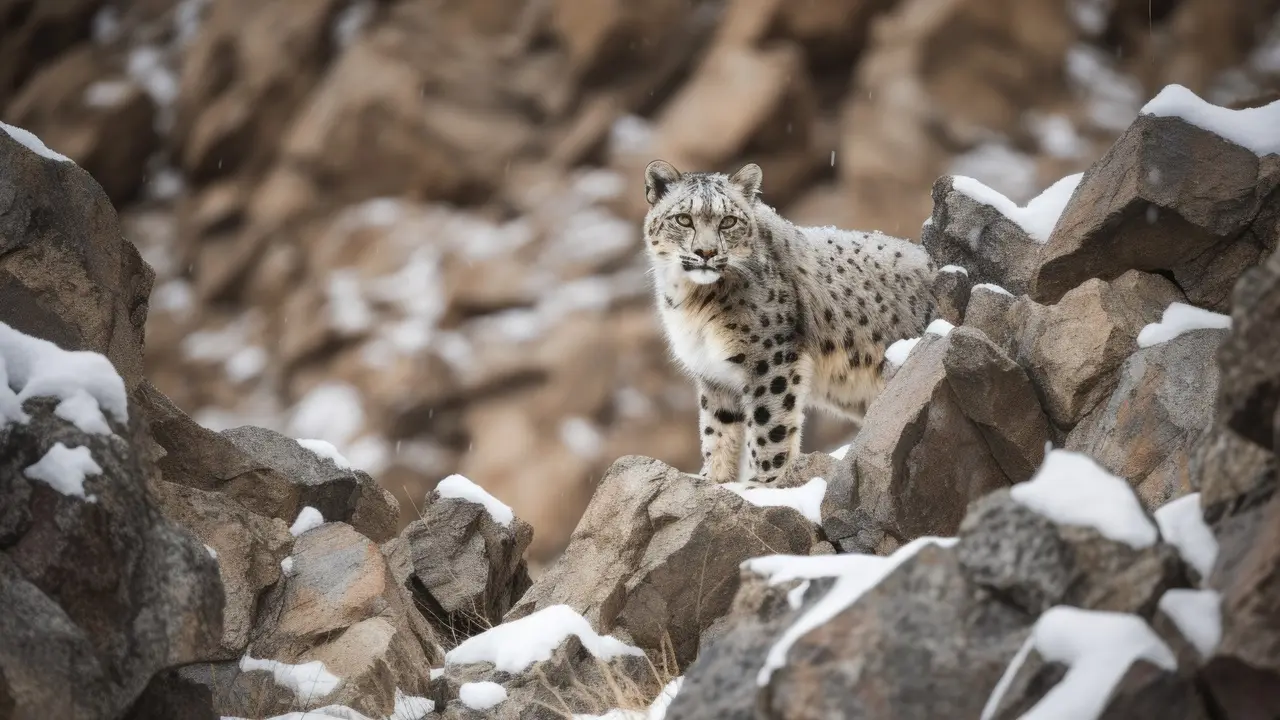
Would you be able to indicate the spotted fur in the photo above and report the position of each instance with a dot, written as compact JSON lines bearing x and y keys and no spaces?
{"x":770,"y":318}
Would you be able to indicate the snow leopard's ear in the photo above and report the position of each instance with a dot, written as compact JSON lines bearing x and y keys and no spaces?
{"x":748,"y":180}
{"x":658,"y":176}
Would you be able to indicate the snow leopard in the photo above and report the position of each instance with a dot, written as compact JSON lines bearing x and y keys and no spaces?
{"x":769,"y":318}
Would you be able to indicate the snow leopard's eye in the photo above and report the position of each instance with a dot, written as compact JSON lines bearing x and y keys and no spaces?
{"x":684,"y":220}
{"x":728,"y":222}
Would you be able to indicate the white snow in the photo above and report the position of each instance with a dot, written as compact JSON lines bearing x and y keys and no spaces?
{"x":325,"y":450}
{"x":1097,"y":648}
{"x":436,"y":673}
{"x":658,"y":709}
{"x":897,"y":353}
{"x":328,"y":712}
{"x":411,"y":707}
{"x":286,"y":566}
{"x":515,"y":645}
{"x":246,"y":363}
{"x":992,"y":288}
{"x":1198,"y":615}
{"x":952,"y":268}
{"x":86,"y":382}
{"x":107,"y":93}
{"x":1038,"y":216}
{"x":795,"y":596}
{"x":940,"y":327}
{"x":212,"y":553}
{"x":995,"y":164}
{"x":308,"y":518}
{"x":862,"y":573}
{"x":1010,"y":673}
{"x":331,"y":411}
{"x":309,"y":681}
{"x":32,"y":143}
{"x":64,"y":469}
{"x":1251,"y":128}
{"x":840,"y":452}
{"x":778,"y":569}
{"x":1179,"y":318}
{"x":1182,"y":525}
{"x":1071,"y":489}
{"x":459,"y":487}
{"x":806,"y":499}
{"x":581,"y":437}
{"x":481,"y":695}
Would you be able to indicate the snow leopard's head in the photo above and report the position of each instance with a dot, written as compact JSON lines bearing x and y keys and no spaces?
{"x":703,"y":223}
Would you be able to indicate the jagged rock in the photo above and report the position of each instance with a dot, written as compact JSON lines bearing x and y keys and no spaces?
{"x":266,"y":472}
{"x":99,"y":594}
{"x":978,"y":237}
{"x":1168,"y":197}
{"x":464,"y":568}
{"x":950,"y":291}
{"x":996,"y":394}
{"x":989,"y":311}
{"x":857,"y":664}
{"x":1074,"y":348}
{"x":66,"y":274}
{"x":615,"y":32}
{"x":1249,"y":396}
{"x":1035,"y":564}
{"x":957,"y":420}
{"x":338,"y":604}
{"x":628,"y":564}
{"x":247,"y":547}
{"x":101,"y":120}
{"x":1163,"y":401}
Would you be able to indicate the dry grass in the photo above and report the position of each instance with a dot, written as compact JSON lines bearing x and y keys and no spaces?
{"x":611,"y":689}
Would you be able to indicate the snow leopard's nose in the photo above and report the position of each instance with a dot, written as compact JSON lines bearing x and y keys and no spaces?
{"x":705,"y":253}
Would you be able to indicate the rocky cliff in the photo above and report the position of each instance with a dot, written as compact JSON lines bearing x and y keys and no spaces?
{"x":407,"y":227}
{"x":1063,"y":504}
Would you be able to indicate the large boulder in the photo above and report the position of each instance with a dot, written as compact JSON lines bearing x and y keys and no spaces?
{"x":1147,"y":430}
{"x":1168,"y":197}
{"x":655,"y":558}
{"x":1248,"y":400}
{"x":462,"y":563}
{"x":101,"y":591}
{"x":957,"y":420}
{"x":66,"y":275}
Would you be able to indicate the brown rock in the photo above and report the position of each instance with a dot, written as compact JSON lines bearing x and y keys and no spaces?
{"x":69,"y":278}
{"x":1163,"y":401}
{"x":99,"y":119}
{"x":626,"y":569}
{"x":247,"y":547}
{"x":1249,"y":398}
{"x":31,"y":34}
{"x":979,"y":238}
{"x":1073,"y":349}
{"x":1167,"y":197}
{"x":950,"y":292}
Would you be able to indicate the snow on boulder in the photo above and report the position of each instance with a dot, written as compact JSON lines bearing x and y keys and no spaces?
{"x":1198,"y":616}
{"x":514,"y":646}
{"x":482,"y":695}
{"x":1182,"y":525}
{"x":1180,"y":318}
{"x":65,"y":469}
{"x":1071,"y":489}
{"x":460,"y":488}
{"x":1038,"y":217}
{"x":806,"y":499}
{"x":1252,"y":128}
{"x":29,"y":140}
{"x":860,"y":574}
{"x":991,"y":287}
{"x":85,"y":382}
{"x":308,"y":681}
{"x":325,"y":450}
{"x":309,"y":518}
{"x":1096,"y":647}
{"x":897,"y":353}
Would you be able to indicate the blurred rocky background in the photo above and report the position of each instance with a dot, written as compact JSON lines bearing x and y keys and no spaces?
{"x":410,"y":227}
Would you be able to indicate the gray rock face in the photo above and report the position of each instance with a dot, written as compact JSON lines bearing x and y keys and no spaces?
{"x":655,"y":558}
{"x":1249,"y":399}
{"x":1162,"y":402}
{"x":1073,"y":349}
{"x":98,"y":595}
{"x":950,"y":291}
{"x":1167,"y":197}
{"x":957,"y":420}
{"x":66,"y":275}
{"x":979,"y":238}
{"x":464,"y":569}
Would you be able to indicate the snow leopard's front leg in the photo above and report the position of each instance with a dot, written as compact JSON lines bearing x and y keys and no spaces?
{"x":720,"y":418}
{"x":774,"y":407}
